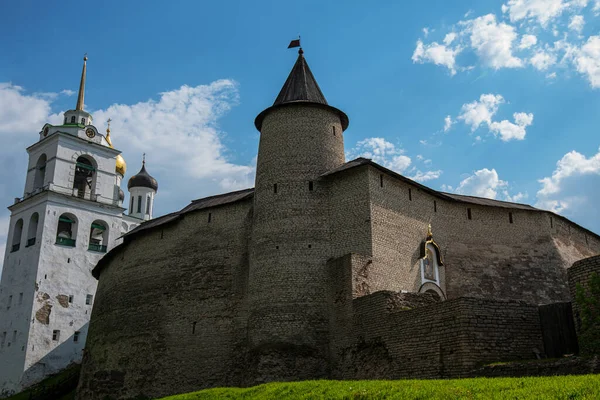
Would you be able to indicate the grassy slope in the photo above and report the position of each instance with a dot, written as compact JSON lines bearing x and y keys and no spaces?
{"x":560,"y":387}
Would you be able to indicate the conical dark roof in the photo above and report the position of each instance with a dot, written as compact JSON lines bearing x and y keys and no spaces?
{"x":300,"y":85}
{"x":142,"y":179}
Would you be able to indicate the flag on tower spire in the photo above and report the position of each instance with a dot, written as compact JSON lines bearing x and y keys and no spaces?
{"x":294,"y":43}
{"x":81,"y":86}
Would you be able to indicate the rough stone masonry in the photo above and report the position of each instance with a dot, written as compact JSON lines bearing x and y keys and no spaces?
{"x":326,"y":269}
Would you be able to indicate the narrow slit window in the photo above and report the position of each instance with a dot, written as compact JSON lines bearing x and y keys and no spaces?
{"x":468,"y":213}
{"x":409,"y":194}
{"x":21,"y":294}
{"x":333,"y":130}
{"x":310,"y":185}
{"x":139,"y":206}
{"x":510,"y":218}
{"x":131,"y":205}
{"x":274,"y":188}
{"x":88,"y":299}
{"x":55,"y":335}
{"x":70,"y":298}
{"x":209,"y":217}
{"x":76,"y":336}
{"x":82,"y":121}
{"x":193,"y":327}
{"x":434,"y":206}
{"x":147,"y":205}
{"x":551,"y":224}
{"x":381,"y":180}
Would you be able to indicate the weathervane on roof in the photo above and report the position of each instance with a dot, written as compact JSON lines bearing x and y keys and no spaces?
{"x":296,"y":43}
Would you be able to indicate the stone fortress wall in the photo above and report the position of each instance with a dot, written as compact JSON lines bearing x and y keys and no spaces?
{"x":172,"y":306}
{"x":303,"y":276}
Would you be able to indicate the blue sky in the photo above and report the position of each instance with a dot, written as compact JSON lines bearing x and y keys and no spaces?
{"x":491,"y":98}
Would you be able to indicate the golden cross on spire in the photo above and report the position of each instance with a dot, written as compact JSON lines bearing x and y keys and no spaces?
{"x":108,"y":122}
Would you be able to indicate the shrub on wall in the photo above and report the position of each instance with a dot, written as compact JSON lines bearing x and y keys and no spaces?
{"x":588,"y":303}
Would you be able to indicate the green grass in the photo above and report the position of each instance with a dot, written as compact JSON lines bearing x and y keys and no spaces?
{"x":560,"y":387}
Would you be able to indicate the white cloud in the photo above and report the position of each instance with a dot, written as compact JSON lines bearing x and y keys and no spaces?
{"x":573,"y":188}
{"x":382,"y":152}
{"x":508,"y":130}
{"x":493,"y":42}
{"x":425,"y":32}
{"x":596,"y":8}
{"x":420,"y":176}
{"x":576,"y":23}
{"x":449,"y":38}
{"x":482,"y":111}
{"x":543,"y":11}
{"x":67,"y":92}
{"x":587,"y":60}
{"x":21,"y":113}
{"x":447,"y":123}
{"x":527,"y":41}
{"x":483,"y":183}
{"x":542,"y":60}
{"x":437,"y":54}
{"x":183,"y":125}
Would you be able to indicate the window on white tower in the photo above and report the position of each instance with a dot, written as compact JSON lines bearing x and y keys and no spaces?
{"x":56,"y":335}
{"x":18,"y":232}
{"x":85,"y":174}
{"x":88,"y":299}
{"x":139,"y":205}
{"x":98,"y":236}
{"x":66,"y":231}
{"x":40,"y":172}
{"x":32,"y":229}
{"x":148,"y":205}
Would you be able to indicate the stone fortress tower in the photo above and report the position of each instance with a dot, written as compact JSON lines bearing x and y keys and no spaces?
{"x":71,"y":214}
{"x":300,"y":139}
{"x":325,"y":269}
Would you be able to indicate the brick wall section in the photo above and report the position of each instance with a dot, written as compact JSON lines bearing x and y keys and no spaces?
{"x":448,"y":339}
{"x":485,"y":256}
{"x":580,"y":273}
{"x":142,"y":338}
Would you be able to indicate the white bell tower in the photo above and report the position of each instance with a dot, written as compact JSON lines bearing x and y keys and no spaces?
{"x":69,"y":216}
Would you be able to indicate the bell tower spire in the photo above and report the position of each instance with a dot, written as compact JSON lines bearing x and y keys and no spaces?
{"x":79,"y":106}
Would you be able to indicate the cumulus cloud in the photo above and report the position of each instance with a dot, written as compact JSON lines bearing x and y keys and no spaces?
{"x":180,"y":131}
{"x":485,"y":183}
{"x":447,"y":123}
{"x":543,"y":11}
{"x":387,"y":154}
{"x":508,"y":130}
{"x":543,"y":60}
{"x":483,"y":110}
{"x":436,"y":53}
{"x":576,"y":23}
{"x":21,"y":113}
{"x":533,"y":33}
{"x":382,"y":152}
{"x":67,"y":92}
{"x":420,"y":176}
{"x":527,"y":41}
{"x":573,"y":188}
{"x":587,"y":60}
{"x":493,"y":42}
